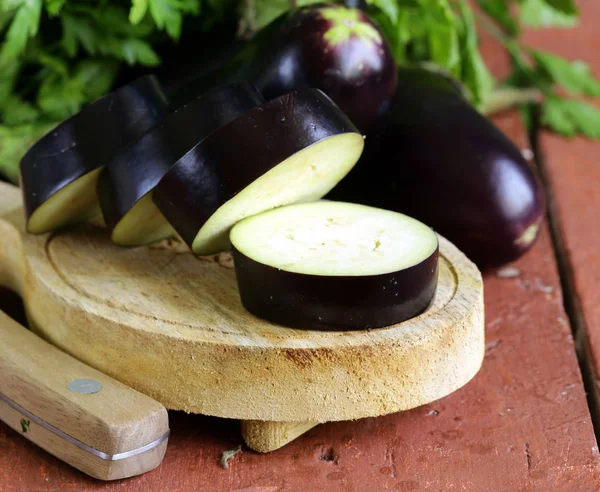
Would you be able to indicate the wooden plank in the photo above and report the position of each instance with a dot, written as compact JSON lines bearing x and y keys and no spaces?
{"x":572,"y":170}
{"x":521,"y":424}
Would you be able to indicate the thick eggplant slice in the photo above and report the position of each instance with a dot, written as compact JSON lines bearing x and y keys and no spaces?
{"x":292,"y":149}
{"x":125,"y":185}
{"x":334,"y":266}
{"x":59,"y":173}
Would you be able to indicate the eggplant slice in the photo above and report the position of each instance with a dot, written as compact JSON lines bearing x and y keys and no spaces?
{"x":335,"y":266}
{"x":127,"y":182}
{"x":292,"y":149}
{"x":59,"y":173}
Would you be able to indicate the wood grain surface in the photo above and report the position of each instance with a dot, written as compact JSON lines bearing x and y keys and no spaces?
{"x":521,"y":424}
{"x":204,"y":353}
{"x":572,"y":171}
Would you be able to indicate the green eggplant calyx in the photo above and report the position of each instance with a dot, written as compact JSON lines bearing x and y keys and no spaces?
{"x":346,"y":23}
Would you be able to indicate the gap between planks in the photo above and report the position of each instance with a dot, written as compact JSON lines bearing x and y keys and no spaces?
{"x":571,"y":302}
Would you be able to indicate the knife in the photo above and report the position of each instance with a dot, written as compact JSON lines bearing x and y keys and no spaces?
{"x":83,"y":417}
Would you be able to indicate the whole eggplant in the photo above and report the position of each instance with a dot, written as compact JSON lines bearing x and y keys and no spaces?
{"x":435,"y":157}
{"x":329,"y":47}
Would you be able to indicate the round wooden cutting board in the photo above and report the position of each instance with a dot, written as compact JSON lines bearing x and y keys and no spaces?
{"x":171,"y":325}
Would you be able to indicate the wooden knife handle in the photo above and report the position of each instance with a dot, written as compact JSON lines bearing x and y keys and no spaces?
{"x":74,"y":412}
{"x":83,"y":417}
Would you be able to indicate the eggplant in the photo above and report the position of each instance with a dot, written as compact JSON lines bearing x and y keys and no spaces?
{"x":294,"y":148}
{"x":126,"y":184}
{"x":434,"y":157}
{"x":335,"y":266}
{"x":329,"y":47}
{"x":58,"y":174}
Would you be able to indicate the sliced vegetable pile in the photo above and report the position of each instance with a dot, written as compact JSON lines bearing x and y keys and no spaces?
{"x":59,"y":173}
{"x":241,"y":158}
{"x":125,"y":186}
{"x":294,"y":148}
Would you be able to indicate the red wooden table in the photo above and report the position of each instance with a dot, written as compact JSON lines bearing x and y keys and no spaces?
{"x":523,"y":423}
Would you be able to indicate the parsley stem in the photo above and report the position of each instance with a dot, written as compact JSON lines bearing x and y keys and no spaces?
{"x":504,"y":98}
{"x":492,"y":28}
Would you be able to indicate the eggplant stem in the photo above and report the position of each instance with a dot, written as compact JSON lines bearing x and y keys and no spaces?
{"x":504,"y":98}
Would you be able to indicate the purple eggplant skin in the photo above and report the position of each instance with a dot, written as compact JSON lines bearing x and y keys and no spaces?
{"x":436,"y":158}
{"x":335,"y":303}
{"x":136,"y":170}
{"x":90,"y":139}
{"x":333,"y":48}
{"x":237,"y":154}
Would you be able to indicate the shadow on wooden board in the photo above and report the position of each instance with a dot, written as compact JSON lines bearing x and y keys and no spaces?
{"x":12,"y":305}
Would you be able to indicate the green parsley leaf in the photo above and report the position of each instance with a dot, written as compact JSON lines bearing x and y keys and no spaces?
{"x":167,"y":16}
{"x":11,"y":4}
{"x":574,"y":77}
{"x":499,"y":10}
{"x":5,"y":18}
{"x":256,"y":14}
{"x":400,"y":35}
{"x":396,"y":34}
{"x":54,"y":63}
{"x":24,"y":25}
{"x":475,"y":73}
{"x":540,"y":13}
{"x":96,"y":77}
{"x":9,"y":74}
{"x":78,"y":31}
{"x":112,"y":20}
{"x":16,"y":111}
{"x":524,"y":73}
{"x":138,"y":51}
{"x":193,"y":7}
{"x":54,"y":7}
{"x":403,"y":32}
{"x":15,"y":142}
{"x":565,"y":6}
{"x":568,"y":117}
{"x":442,"y":35}
{"x":60,"y":98}
{"x":444,"y":48}
{"x":389,"y":7}
{"x":428,"y":29}
{"x":138,"y":11}
{"x":88,"y":29}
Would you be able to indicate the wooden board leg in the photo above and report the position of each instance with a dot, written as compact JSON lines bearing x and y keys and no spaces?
{"x":268,"y":436}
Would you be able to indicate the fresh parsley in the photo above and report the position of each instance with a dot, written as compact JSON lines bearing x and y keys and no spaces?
{"x":58,"y":55}
{"x":573,"y":76}
{"x":571,"y":117}
{"x":548,"y":13}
